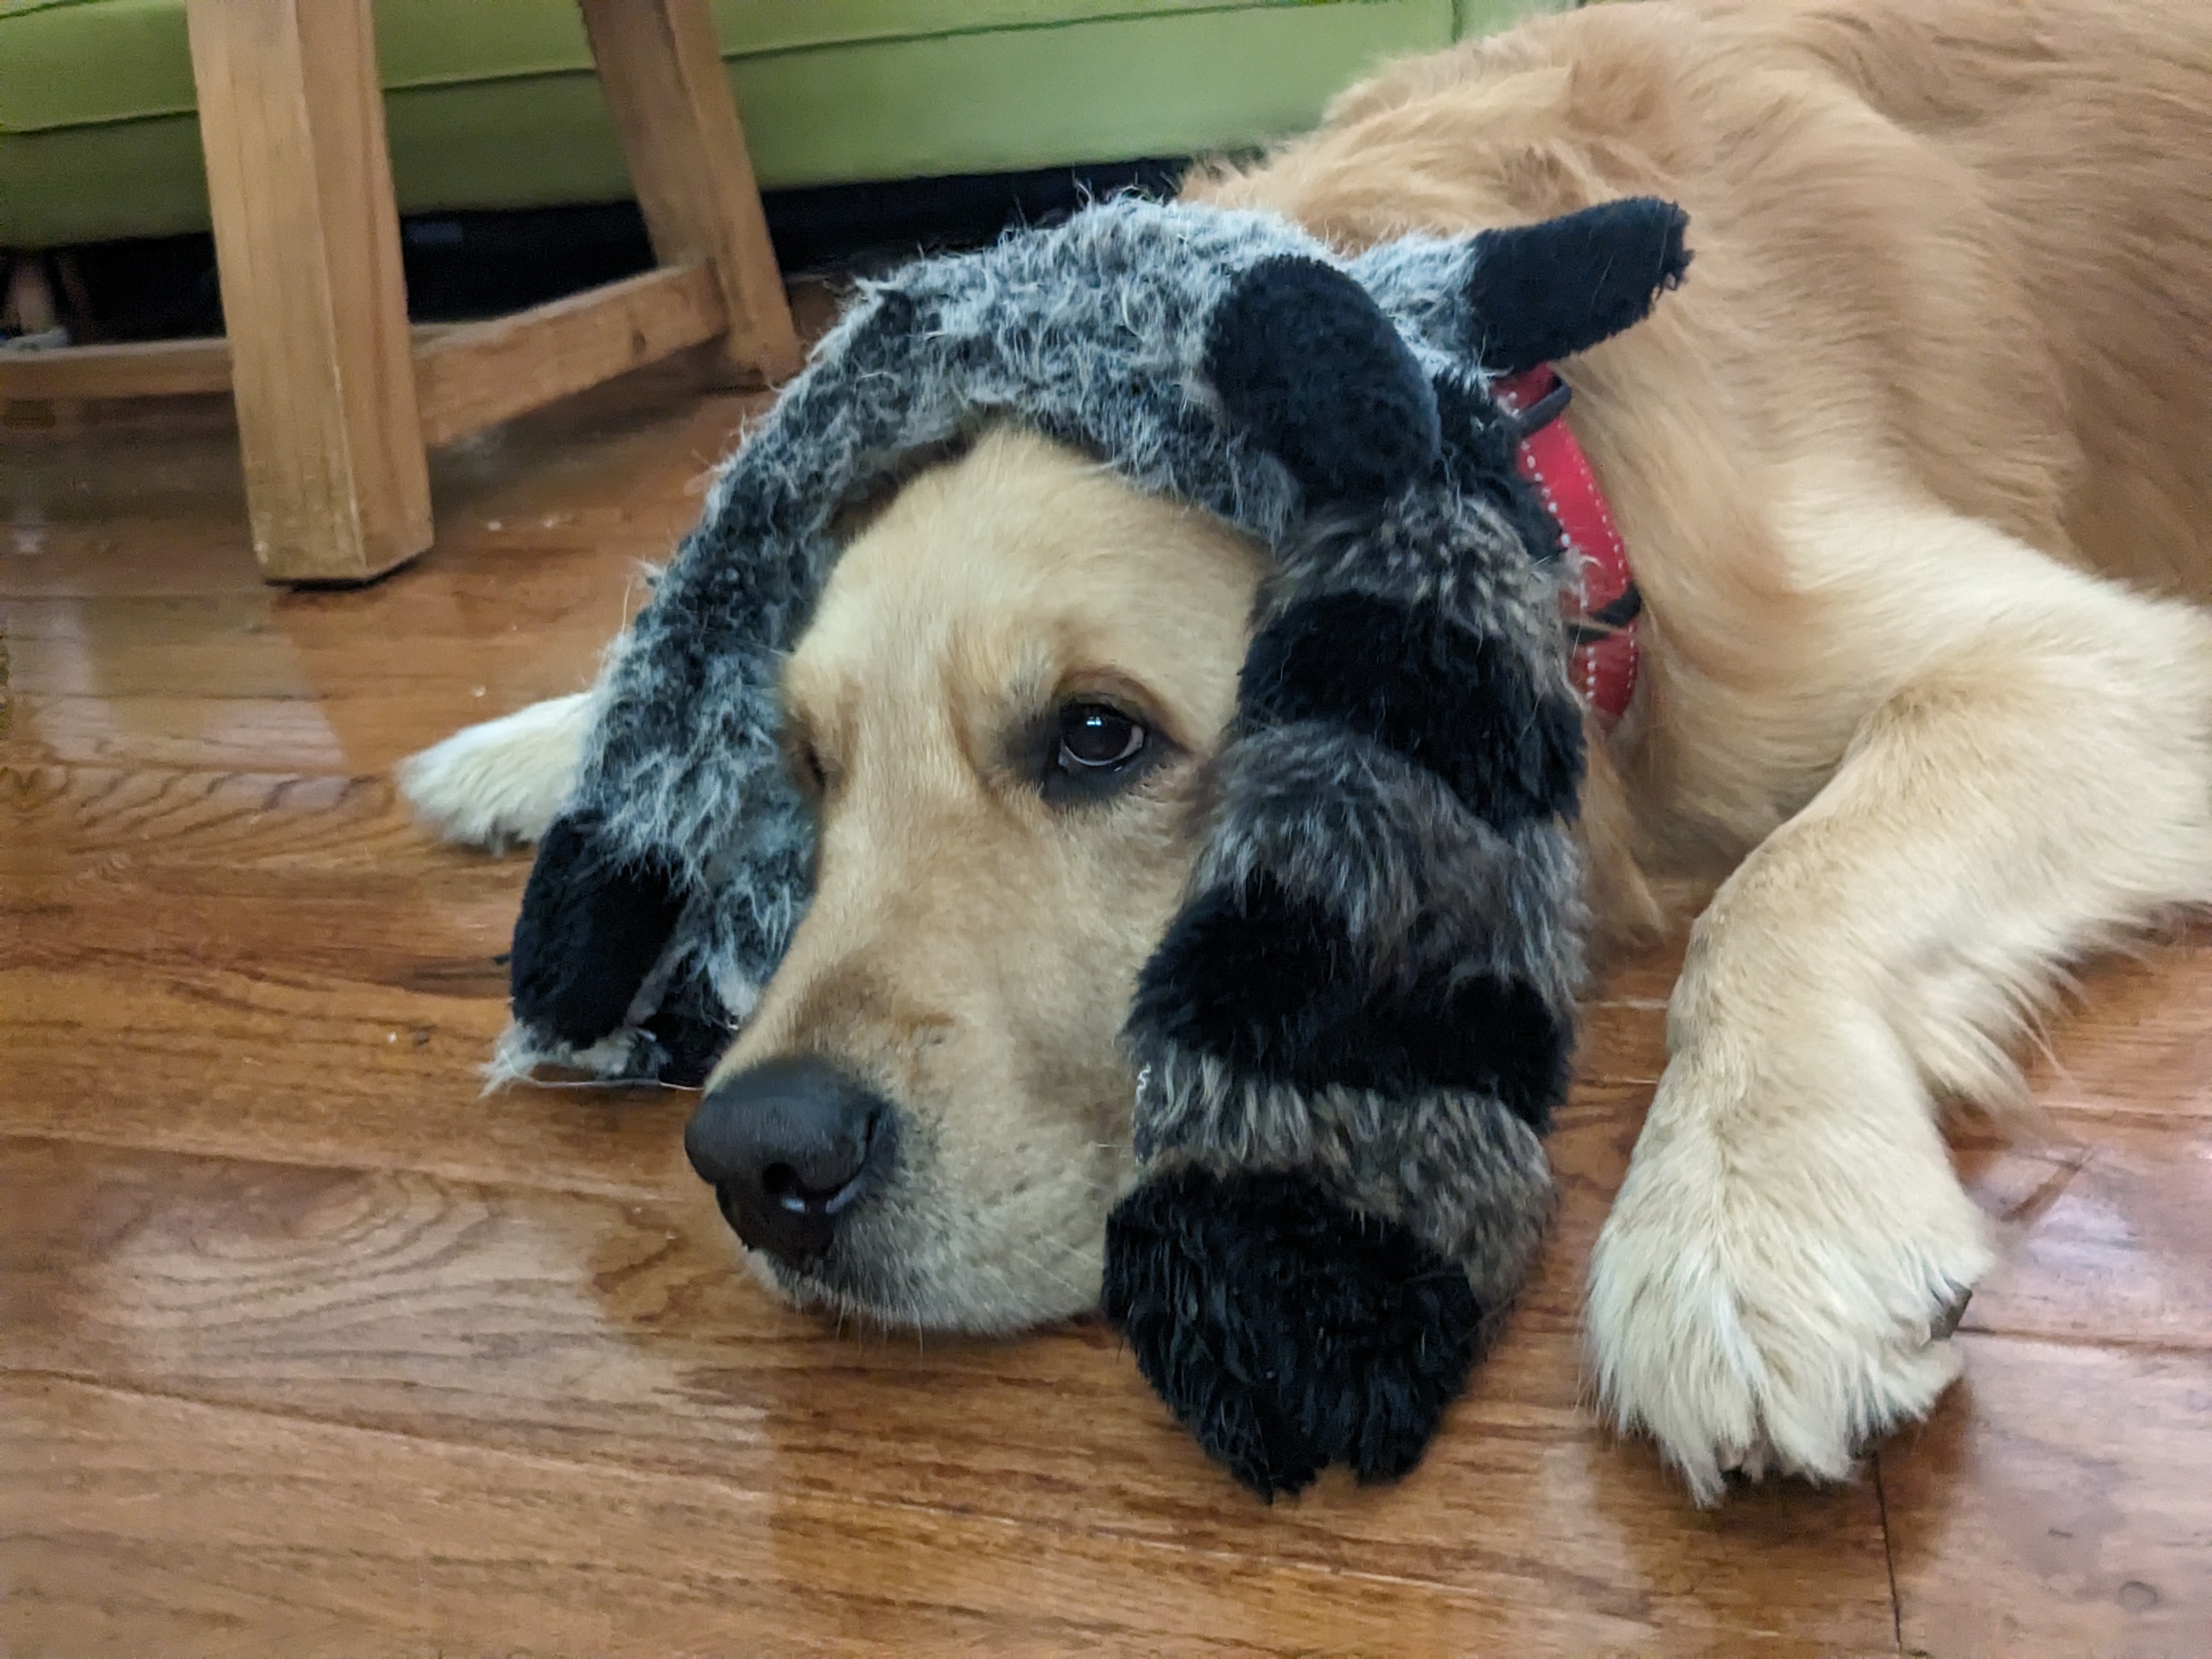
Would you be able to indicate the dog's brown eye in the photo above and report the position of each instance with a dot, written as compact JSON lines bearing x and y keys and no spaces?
{"x":1096,"y":738}
{"x":1079,"y":753}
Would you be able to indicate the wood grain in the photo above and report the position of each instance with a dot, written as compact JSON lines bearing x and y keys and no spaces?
{"x":141,"y":368}
{"x":2058,"y":1502}
{"x":305,"y":1344}
{"x":477,"y":376}
{"x":613,"y":1332}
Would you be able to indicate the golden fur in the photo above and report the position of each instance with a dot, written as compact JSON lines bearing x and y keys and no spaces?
{"x":1899,"y":470}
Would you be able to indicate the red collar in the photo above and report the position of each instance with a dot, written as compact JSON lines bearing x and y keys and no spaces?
{"x":1604,"y":601}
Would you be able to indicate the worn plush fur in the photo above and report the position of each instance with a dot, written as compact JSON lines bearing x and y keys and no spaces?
{"x":1903,"y":471}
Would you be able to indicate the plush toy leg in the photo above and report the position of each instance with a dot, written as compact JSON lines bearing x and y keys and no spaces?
{"x":1286,"y":1329}
{"x":1353,"y":1041}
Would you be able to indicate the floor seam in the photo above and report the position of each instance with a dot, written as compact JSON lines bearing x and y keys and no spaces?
{"x":1889,"y":1555}
{"x":2084,"y":1339}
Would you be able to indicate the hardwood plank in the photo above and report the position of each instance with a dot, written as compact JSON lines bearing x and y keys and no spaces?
{"x":306,"y":735}
{"x":2110,"y":1244}
{"x":491,"y":548}
{"x":153,"y":1524}
{"x":328,"y":688}
{"x":165,"y":680}
{"x":257,"y":1043}
{"x":367,"y":1058}
{"x":339,"y":1072}
{"x":551,"y":515}
{"x":257,"y":662}
{"x":2134,"y":1042}
{"x":84,"y":819}
{"x":148,"y":643}
{"x":2060,"y":1501}
{"x":252,"y":962}
{"x":1621,"y":1040}
{"x":291,"y":119}
{"x":2104,"y":1236}
{"x":313,"y":735}
{"x":614,"y":1333}
{"x":477,"y":376}
{"x":606,"y":479}
{"x":185,"y":922}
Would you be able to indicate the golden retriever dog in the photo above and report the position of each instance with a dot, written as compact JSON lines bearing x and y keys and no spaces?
{"x":1916,"y":479}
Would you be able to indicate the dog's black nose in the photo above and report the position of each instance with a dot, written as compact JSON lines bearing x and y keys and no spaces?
{"x":789,"y":1146}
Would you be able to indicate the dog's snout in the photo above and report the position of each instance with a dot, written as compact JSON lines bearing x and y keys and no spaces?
{"x":789,"y":1146}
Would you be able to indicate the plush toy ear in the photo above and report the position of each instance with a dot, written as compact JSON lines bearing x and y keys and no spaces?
{"x":592,"y":927}
{"x":1307,"y":365}
{"x":1545,"y":291}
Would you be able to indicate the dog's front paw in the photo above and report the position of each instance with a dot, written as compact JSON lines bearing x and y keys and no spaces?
{"x":1773,"y":1308}
{"x":1286,"y":1331}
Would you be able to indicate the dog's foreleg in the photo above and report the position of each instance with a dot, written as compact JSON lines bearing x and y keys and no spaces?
{"x":1780,"y":1273}
{"x":503,"y":782}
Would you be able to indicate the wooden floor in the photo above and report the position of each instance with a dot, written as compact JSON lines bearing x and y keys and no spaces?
{"x":306,"y":1347}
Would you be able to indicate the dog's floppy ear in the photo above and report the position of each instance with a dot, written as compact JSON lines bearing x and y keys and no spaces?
{"x":592,"y":926}
{"x":1545,"y":291}
{"x":1307,"y":365}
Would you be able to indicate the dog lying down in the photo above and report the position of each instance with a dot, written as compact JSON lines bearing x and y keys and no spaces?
{"x":1113,"y":800}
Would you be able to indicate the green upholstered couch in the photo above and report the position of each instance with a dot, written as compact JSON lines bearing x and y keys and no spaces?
{"x":492,"y":103}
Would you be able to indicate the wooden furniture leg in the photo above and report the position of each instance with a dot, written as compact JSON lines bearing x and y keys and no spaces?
{"x":662,"y":70}
{"x":307,"y":245}
{"x":336,"y":401}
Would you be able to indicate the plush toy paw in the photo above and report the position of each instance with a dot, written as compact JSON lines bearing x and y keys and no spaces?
{"x":1286,"y":1331}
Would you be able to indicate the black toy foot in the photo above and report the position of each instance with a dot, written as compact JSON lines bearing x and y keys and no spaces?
{"x":1286,"y":1331}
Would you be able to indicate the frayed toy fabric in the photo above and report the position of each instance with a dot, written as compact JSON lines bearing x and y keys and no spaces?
{"x":1351,"y":1037}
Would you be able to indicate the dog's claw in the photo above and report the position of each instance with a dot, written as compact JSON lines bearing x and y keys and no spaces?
{"x":1942,"y":1327}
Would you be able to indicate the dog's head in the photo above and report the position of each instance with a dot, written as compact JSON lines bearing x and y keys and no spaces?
{"x":1144,"y":843}
{"x":1000,"y":716}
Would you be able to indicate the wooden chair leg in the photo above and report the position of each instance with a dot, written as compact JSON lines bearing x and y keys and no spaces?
{"x":662,"y":70}
{"x":307,"y":245}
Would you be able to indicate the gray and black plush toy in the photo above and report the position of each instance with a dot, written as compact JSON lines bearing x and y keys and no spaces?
{"x":1353,"y":1036}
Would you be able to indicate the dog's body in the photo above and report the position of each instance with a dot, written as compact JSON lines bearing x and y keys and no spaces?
{"x":1942,"y":369}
